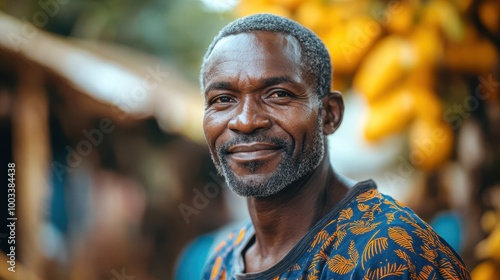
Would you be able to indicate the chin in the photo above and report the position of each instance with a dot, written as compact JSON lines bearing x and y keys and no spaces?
{"x":254,"y":185}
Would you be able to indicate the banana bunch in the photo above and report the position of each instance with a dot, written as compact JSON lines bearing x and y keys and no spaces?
{"x":391,"y":52}
{"x":488,"y":250}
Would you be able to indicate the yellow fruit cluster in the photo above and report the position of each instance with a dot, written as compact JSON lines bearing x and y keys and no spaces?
{"x":389,"y":52}
{"x":488,"y":250}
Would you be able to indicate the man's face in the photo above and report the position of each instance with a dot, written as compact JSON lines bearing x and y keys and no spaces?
{"x":262,"y":117}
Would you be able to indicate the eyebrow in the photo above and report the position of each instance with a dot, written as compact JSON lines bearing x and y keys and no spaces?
{"x":276,"y":80}
{"x":218,"y":86}
{"x":267,"y":82}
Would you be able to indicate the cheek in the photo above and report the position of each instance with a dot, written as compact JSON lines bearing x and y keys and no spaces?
{"x":306,"y":130}
{"x":213,"y":127}
{"x":300,"y":122}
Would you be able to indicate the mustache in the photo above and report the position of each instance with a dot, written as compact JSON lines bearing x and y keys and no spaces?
{"x":223,"y":149}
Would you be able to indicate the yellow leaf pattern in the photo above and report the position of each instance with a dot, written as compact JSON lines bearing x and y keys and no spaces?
{"x":353,"y":253}
{"x":216,"y":268}
{"x":361,"y":227}
{"x":340,"y":264}
{"x":400,"y":253}
{"x":312,"y":275}
{"x":390,"y":217}
{"x":425,"y":236}
{"x":446,"y":270}
{"x":428,"y":253}
{"x":401,"y":237}
{"x":223,"y":275}
{"x":330,"y":239}
{"x":386,"y":271}
{"x":425,"y":273}
{"x":411,"y":267}
{"x":371,"y":212}
{"x":363,"y":207}
{"x":368,"y":195}
{"x":388,"y":235}
{"x":374,"y":246}
{"x":222,"y":244}
{"x":345,"y":214}
{"x":321,"y":236}
{"x":340,"y":236}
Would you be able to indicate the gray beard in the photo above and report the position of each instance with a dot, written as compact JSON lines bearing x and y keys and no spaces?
{"x":288,"y":171}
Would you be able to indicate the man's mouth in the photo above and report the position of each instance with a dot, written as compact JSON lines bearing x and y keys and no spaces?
{"x":253,"y":151}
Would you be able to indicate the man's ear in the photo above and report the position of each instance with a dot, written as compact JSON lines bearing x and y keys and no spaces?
{"x":333,"y":111}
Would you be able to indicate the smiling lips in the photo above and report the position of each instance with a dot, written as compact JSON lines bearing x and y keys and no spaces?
{"x":253,"y":151}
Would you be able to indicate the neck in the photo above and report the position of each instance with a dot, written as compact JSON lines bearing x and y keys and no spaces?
{"x":281,"y":220}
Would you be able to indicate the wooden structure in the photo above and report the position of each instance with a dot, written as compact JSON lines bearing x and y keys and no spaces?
{"x":100,"y":80}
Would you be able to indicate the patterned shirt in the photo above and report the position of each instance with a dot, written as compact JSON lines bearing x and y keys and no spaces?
{"x":368,"y":235}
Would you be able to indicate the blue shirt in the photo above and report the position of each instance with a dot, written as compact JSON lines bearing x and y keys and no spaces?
{"x":368,"y":235}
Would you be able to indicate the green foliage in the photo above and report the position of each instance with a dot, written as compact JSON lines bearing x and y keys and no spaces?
{"x":178,"y":31}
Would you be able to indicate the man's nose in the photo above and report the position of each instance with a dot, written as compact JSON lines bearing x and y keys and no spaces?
{"x":249,"y":118}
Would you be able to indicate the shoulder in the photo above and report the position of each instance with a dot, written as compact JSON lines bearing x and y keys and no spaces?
{"x":414,"y":244}
{"x":224,"y":255}
{"x":405,"y":239}
{"x":377,"y":236}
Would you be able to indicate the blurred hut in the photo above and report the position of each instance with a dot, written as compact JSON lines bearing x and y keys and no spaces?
{"x":106,"y":144}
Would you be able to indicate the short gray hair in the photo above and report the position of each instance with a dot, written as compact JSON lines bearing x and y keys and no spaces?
{"x":314,"y":53}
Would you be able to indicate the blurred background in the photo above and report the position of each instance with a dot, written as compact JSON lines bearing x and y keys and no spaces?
{"x":101,"y":113}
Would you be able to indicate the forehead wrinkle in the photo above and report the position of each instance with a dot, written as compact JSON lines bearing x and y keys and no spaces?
{"x":233,"y":49}
{"x":315,"y":58}
{"x":249,"y":41}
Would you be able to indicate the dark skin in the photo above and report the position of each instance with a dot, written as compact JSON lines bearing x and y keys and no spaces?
{"x":254,"y":83}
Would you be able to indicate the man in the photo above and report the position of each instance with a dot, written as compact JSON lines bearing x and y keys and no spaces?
{"x":266,"y":82}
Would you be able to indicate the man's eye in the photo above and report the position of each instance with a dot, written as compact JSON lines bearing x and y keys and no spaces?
{"x":222,"y":99}
{"x":280,"y":94}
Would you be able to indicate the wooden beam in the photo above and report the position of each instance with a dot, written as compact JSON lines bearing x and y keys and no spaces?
{"x":30,"y":125}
